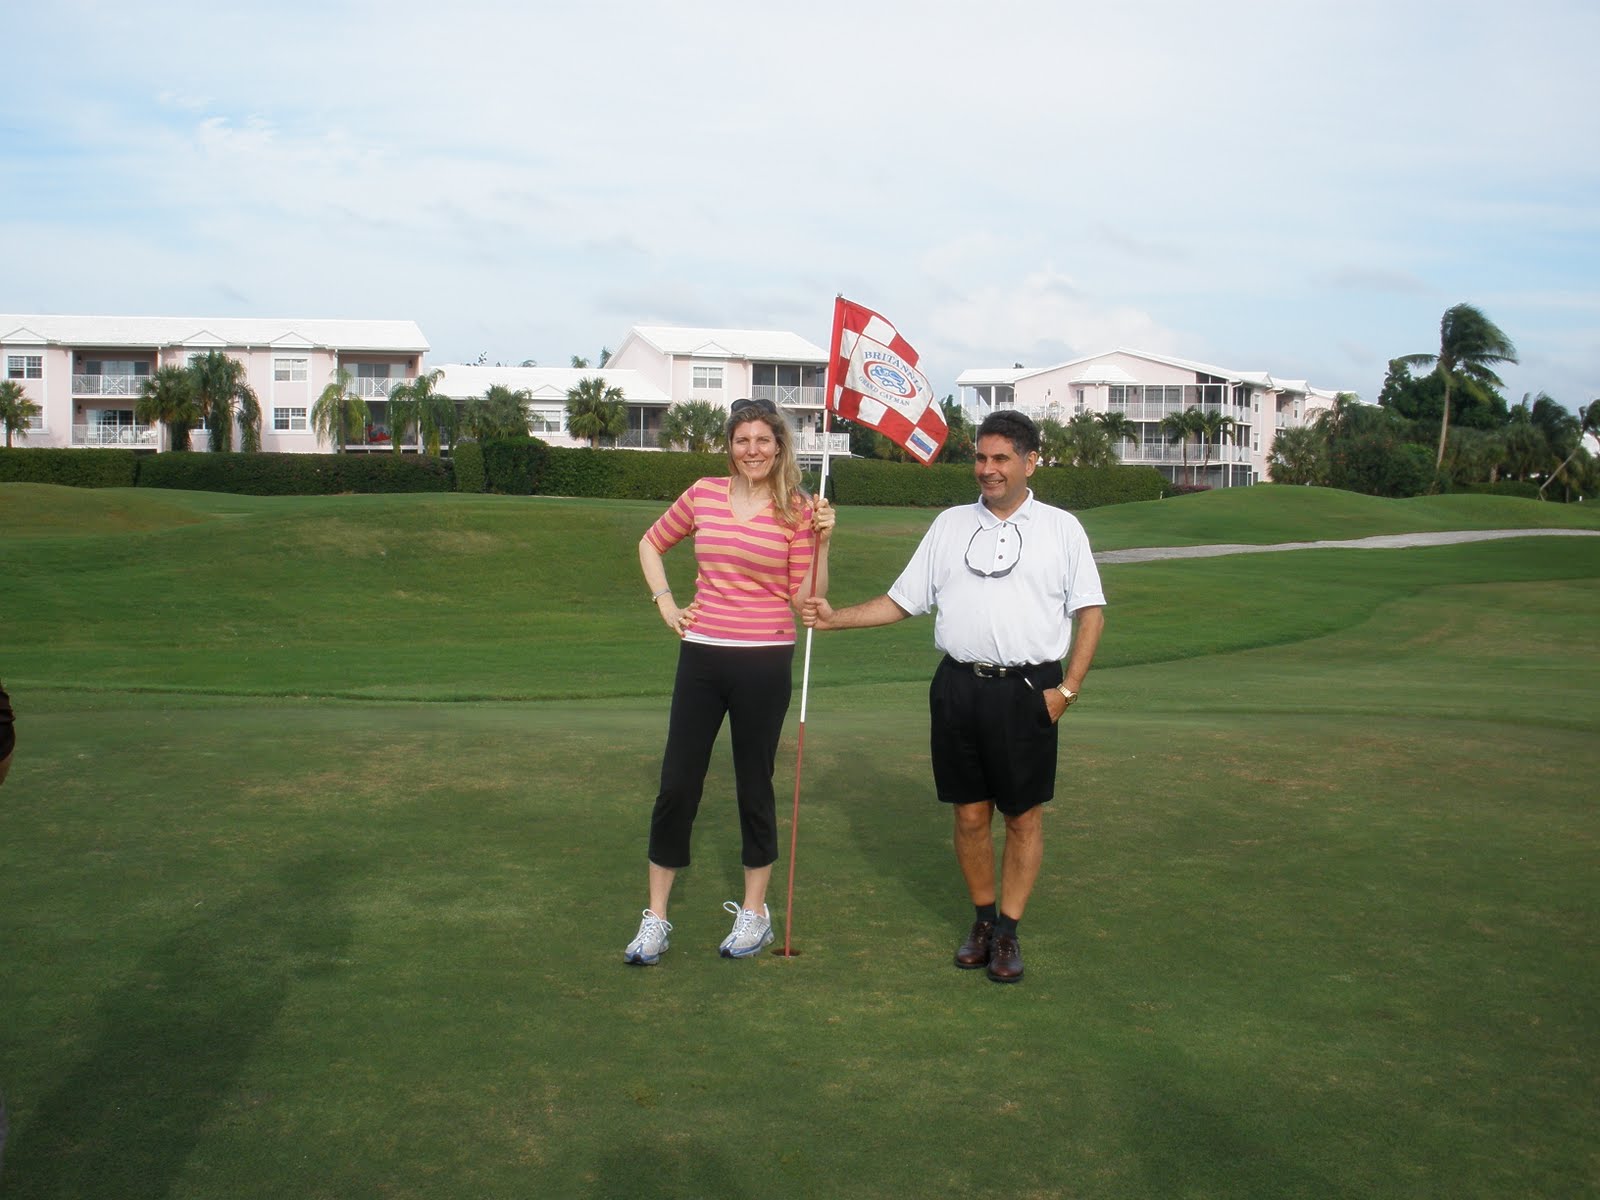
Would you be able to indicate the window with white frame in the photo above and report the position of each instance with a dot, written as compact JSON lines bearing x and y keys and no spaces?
{"x":708,"y":379}
{"x":289,"y":420}
{"x":24,"y":366}
{"x":291,"y":370}
{"x":546,"y":420}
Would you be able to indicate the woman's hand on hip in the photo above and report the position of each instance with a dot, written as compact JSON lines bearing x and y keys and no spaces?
{"x":680,"y":620}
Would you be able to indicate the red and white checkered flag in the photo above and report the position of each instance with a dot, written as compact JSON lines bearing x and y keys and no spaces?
{"x":873,"y":380}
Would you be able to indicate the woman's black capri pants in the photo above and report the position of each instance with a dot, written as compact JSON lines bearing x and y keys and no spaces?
{"x":751,"y":686}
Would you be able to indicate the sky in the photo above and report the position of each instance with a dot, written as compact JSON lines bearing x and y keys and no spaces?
{"x":1298,"y":187}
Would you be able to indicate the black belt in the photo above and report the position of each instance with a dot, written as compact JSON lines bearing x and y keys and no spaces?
{"x":984,"y":670}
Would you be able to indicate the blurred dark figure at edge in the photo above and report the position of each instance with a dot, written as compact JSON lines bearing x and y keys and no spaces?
{"x":8,"y":739}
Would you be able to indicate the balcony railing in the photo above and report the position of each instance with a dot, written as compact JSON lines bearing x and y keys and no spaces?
{"x":812,"y":443}
{"x":114,"y":435}
{"x":1154,"y":411}
{"x":788,"y":397}
{"x":369,"y":388}
{"x":108,"y":385}
{"x":1151,"y":452}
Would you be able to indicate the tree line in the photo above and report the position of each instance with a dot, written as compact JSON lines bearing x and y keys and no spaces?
{"x":1448,"y":428}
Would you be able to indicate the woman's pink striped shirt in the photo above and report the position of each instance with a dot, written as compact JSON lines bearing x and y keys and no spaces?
{"x":748,"y":573}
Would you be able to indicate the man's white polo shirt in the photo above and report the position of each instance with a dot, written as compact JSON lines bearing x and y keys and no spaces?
{"x":1010,"y":617}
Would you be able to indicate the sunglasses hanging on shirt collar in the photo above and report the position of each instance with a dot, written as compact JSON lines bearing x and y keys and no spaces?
{"x":994,"y":550}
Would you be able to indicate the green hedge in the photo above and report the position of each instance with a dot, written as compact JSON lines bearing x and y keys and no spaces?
{"x":870,"y":481}
{"x":527,"y":466}
{"x":297,"y":474}
{"x":515,"y":466}
{"x":468,"y":460}
{"x":1520,"y":488}
{"x":69,"y":468}
{"x":627,"y":474}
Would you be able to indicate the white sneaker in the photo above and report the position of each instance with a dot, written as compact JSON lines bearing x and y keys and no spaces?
{"x":751,"y":931}
{"x":646,"y":948}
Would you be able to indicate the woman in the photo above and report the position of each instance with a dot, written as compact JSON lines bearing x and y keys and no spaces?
{"x":758,"y":541}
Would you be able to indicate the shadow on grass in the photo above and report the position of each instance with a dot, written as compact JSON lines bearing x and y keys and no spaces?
{"x":1189,"y":1144}
{"x":171,"y":1041}
{"x":682,"y":1169}
{"x":902,"y":832}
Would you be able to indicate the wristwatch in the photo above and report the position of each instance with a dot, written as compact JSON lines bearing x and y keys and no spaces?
{"x":1067,"y":693}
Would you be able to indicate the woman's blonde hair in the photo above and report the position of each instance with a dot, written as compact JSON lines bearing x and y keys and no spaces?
{"x":788,"y":498}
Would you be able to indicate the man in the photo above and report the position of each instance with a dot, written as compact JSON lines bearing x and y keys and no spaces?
{"x":1015,"y":587}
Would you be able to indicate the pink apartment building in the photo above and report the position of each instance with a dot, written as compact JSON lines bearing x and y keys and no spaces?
{"x":724,"y":365}
{"x":86,"y":373}
{"x":1147,"y":387}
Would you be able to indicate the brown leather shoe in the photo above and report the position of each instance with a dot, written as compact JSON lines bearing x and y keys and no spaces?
{"x":1005,"y":959}
{"x":974,"y":952}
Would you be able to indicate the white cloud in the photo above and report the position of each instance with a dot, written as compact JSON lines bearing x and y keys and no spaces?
{"x":1302,"y":189}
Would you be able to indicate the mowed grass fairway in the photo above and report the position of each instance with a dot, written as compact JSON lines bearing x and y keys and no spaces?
{"x":326,"y":831}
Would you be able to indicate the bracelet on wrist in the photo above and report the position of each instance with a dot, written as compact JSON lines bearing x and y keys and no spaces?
{"x":655,"y":596}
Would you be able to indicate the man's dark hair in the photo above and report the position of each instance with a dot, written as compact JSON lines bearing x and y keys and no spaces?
{"x":1019,"y":430}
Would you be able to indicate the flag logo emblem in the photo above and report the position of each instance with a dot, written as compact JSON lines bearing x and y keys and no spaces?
{"x":890,"y":380}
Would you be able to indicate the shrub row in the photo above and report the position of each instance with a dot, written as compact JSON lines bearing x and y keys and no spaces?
{"x":870,"y":481}
{"x":69,"y":468}
{"x":248,"y":474}
{"x":528,"y":466}
{"x":1520,"y":488}
{"x":297,"y":474}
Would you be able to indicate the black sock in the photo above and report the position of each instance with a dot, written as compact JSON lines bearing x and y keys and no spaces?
{"x":1006,"y":925}
{"x":985,"y":912}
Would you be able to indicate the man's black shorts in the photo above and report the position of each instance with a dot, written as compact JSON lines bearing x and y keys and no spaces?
{"x":992,"y":738}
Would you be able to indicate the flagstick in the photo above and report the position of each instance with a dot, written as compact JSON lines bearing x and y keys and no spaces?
{"x":805,"y":694}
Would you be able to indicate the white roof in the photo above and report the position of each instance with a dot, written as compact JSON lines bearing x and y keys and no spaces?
{"x":758,"y":345}
{"x":1090,"y":373}
{"x":992,"y":376}
{"x":1103,"y":373}
{"x":462,"y":381}
{"x":401,"y":337}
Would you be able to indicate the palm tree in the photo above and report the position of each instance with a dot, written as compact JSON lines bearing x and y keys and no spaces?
{"x":1211,"y":426}
{"x":168,"y":399}
{"x":420,"y":403}
{"x":1588,"y":426}
{"x":1180,"y":427}
{"x":1298,"y":456}
{"x":221,"y":391}
{"x":339,"y":411}
{"x":695,"y":425}
{"x":1118,"y":427}
{"x":1053,"y":442}
{"x":1336,"y":418}
{"x":16,"y":410}
{"x":1087,"y":443}
{"x":595,"y":411}
{"x":1469,"y":346}
{"x":498,"y":413}
{"x":959,"y":431}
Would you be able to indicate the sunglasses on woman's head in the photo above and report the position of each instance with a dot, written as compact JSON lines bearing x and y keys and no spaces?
{"x":763,"y":406}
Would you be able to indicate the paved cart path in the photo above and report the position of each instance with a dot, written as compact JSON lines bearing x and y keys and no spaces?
{"x":1387,"y":541}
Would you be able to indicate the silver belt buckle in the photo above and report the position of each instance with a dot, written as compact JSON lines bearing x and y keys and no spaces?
{"x":985,"y":670}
